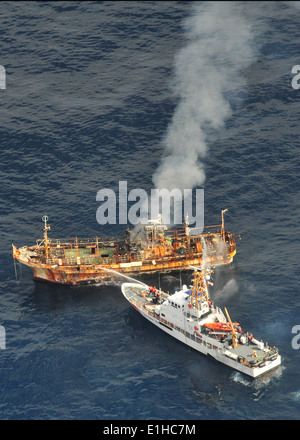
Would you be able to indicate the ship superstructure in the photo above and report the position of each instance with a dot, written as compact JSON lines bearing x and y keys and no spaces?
{"x":96,"y":260}
{"x":189,"y":316}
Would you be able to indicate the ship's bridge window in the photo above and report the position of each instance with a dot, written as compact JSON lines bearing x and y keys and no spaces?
{"x":175,"y":305}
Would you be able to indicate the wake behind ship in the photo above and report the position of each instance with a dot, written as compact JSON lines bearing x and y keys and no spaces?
{"x":104,"y":260}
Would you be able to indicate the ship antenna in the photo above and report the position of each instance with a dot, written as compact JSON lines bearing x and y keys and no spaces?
{"x":234,"y":334}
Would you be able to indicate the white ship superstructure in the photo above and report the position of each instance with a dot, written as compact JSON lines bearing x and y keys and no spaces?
{"x":189,"y":316}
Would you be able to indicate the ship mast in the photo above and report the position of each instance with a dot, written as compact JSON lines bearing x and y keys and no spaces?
{"x":46,"y":228}
{"x":223,"y":225}
{"x":234,"y":333}
{"x":198,"y":288}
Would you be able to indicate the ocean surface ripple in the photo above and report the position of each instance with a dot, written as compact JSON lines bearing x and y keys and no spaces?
{"x":88,"y":100}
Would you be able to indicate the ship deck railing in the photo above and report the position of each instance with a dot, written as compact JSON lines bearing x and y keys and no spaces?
{"x":71,"y":261}
{"x":81,"y":242}
{"x":112,"y":240}
{"x":181,"y":232}
{"x":92,"y":259}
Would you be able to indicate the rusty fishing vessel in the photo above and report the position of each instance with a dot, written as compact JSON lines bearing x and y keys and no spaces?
{"x":104,"y":260}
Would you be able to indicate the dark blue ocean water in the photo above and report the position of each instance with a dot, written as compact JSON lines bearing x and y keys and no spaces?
{"x":87,"y":102}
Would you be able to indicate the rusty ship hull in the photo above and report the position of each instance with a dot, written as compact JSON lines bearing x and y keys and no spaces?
{"x":107,"y":260}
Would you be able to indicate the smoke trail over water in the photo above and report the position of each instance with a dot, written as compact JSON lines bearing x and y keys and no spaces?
{"x":219,"y":45}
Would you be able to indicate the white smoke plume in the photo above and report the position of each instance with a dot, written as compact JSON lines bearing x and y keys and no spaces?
{"x":219,"y":45}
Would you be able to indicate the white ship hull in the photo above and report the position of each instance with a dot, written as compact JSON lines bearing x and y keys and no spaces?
{"x":205,"y":344}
